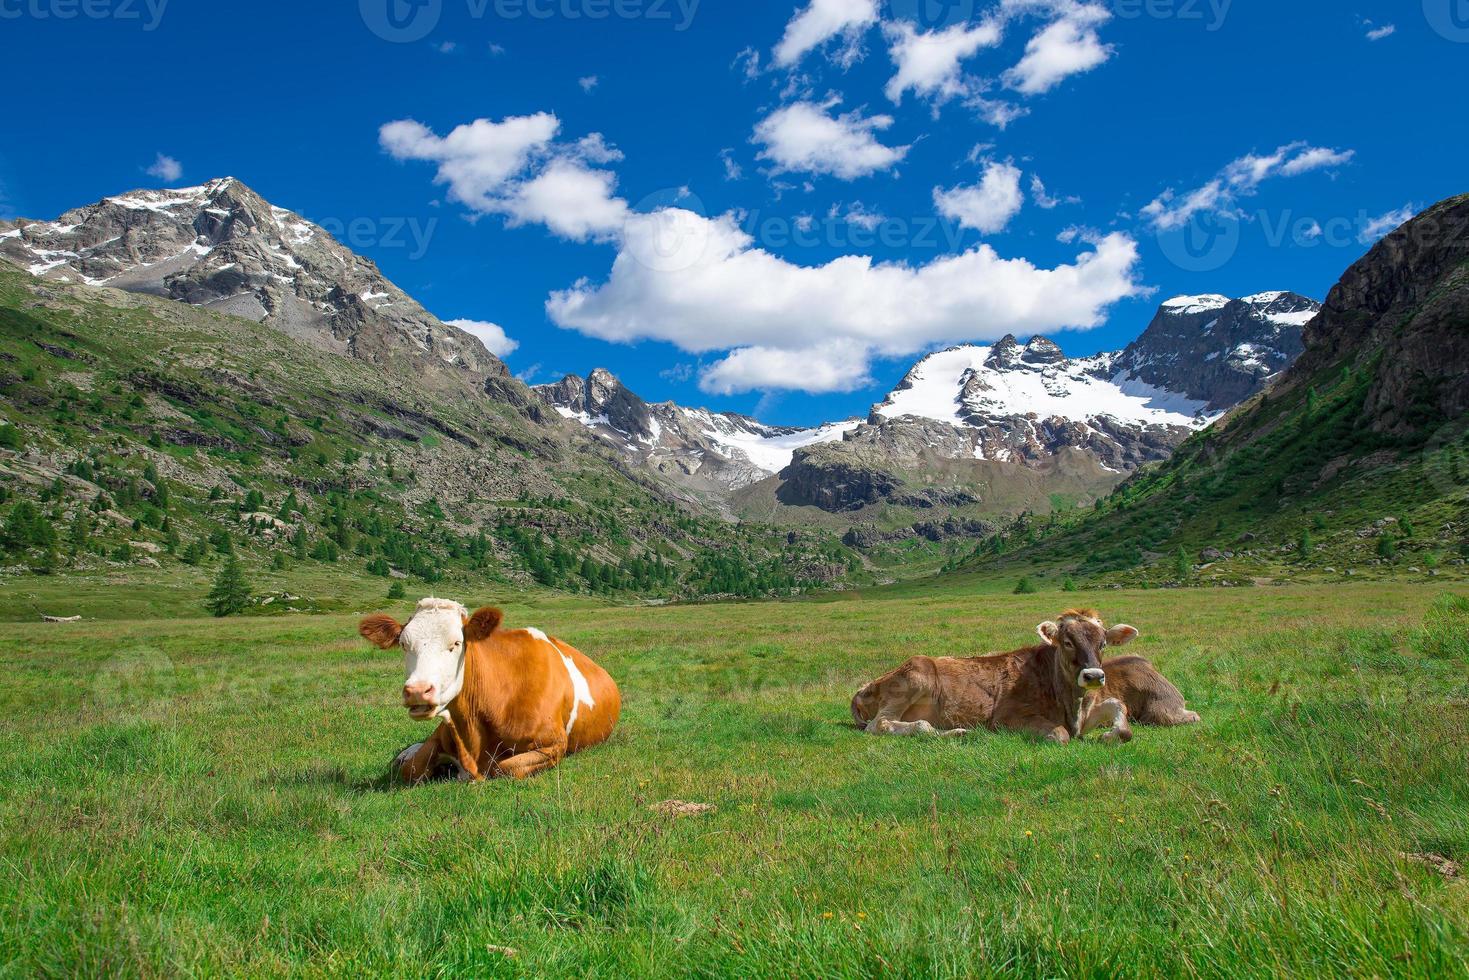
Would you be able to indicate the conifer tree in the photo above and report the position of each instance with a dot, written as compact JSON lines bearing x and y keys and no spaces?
{"x":230,"y":595}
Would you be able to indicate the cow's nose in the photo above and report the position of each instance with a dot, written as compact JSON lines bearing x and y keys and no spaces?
{"x":421,"y":693}
{"x":1093,"y":677}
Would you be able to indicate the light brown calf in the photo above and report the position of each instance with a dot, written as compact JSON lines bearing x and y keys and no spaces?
{"x":512,"y":702}
{"x":1058,"y":690}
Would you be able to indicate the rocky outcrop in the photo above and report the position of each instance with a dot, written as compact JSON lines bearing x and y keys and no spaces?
{"x":1217,"y":350}
{"x":223,"y":247}
{"x":708,"y":452}
{"x":1406,"y":306}
{"x":826,"y":477}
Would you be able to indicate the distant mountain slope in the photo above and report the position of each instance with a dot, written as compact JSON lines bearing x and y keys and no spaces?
{"x":709,"y":451}
{"x":223,"y":247}
{"x":974,"y":426}
{"x":1217,"y":350}
{"x":1354,"y":462}
{"x":137,"y":431}
{"x":1008,"y":404}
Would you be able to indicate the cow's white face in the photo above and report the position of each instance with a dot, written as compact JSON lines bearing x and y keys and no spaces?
{"x":433,"y":656}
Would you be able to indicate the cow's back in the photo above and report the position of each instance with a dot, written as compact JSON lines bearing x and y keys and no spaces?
{"x":593,"y":723}
{"x":948,"y":692}
{"x":1150,"y":698}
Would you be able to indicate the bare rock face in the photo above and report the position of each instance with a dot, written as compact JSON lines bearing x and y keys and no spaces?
{"x":1217,"y":350}
{"x":825,"y":477}
{"x":1406,"y":304}
{"x":707,"y":452}
{"x":223,"y":247}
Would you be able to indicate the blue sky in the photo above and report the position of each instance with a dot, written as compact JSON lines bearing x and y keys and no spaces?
{"x":831,"y":206}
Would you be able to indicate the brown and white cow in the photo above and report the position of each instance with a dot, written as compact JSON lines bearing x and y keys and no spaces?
{"x":512,"y":702}
{"x":1058,"y":690}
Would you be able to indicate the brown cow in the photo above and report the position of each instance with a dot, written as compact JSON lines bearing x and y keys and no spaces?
{"x":513,"y":702}
{"x":1058,"y":690}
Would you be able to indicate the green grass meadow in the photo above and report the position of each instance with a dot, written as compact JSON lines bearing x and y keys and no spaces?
{"x":185,"y":796}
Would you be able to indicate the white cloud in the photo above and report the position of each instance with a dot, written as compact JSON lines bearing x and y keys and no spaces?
{"x":1044,"y":200}
{"x":858,"y":214}
{"x":448,"y":47}
{"x":1378,"y":33}
{"x":828,"y":367}
{"x":819,"y":22}
{"x":732,"y":168}
{"x":817,"y":328}
{"x":1315,"y":158}
{"x":496,"y":50}
{"x":805,"y":137}
{"x":492,"y":335}
{"x":1241,"y":178}
{"x":747,"y":63}
{"x":1385,"y":224}
{"x":573,"y":201}
{"x":929,"y":63}
{"x":165,"y":168}
{"x":979,"y":151}
{"x":1065,"y":47}
{"x":987,"y":206}
{"x":588,"y":82}
{"x":997,"y":112}
{"x":515,"y":168}
{"x":1082,"y":233}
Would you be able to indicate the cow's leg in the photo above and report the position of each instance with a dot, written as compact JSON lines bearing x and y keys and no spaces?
{"x":884,"y":726}
{"x":417,"y":762}
{"x":527,"y":764}
{"x":1112,"y":715}
{"x":1042,"y":728}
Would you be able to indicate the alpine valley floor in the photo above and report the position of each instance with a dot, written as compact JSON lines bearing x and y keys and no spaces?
{"x":183,"y":796}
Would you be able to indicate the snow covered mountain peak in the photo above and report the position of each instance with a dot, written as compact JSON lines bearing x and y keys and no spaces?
{"x":973,"y":385}
{"x":1188,"y":305}
{"x":222,"y":246}
{"x":709,"y":451}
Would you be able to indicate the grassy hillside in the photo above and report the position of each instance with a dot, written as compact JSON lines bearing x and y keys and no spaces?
{"x":208,"y":797}
{"x":1292,"y":488}
{"x":138,"y":434}
{"x":1354,"y":465}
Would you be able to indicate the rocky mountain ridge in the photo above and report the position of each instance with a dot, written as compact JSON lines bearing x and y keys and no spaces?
{"x":710,"y":452}
{"x":1005,"y":405}
{"x":223,"y":247}
{"x":1351,"y":466}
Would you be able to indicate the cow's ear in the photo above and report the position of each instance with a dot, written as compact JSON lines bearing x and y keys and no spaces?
{"x":1121,"y":635}
{"x":482,"y":624}
{"x":1048,"y":632}
{"x":381,"y":631}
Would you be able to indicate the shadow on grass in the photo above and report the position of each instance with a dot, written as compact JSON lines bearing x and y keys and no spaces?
{"x":337,"y":778}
